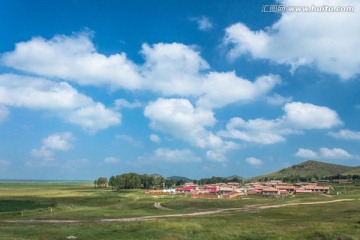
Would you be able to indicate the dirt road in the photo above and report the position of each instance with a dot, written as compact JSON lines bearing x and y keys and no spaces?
{"x":146,"y":218}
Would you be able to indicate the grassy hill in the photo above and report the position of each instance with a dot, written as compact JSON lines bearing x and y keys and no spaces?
{"x":310,"y":168}
{"x":355,"y":171}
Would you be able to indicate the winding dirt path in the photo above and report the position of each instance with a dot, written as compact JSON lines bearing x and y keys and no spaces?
{"x":158,"y":206}
{"x":146,"y":218}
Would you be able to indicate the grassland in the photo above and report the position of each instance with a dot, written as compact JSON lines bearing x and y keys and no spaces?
{"x":80,"y":201}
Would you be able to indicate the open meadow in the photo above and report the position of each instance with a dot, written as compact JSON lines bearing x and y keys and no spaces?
{"x":64,"y":210}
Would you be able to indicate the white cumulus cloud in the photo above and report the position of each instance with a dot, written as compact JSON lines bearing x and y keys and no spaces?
{"x":277,"y":99}
{"x":59,"y":141}
{"x":297,"y":118}
{"x":324,"y":153}
{"x":73,"y":58}
{"x":236,"y":89}
{"x":123,"y":103}
{"x":346,"y":134}
{"x":155,"y":138}
{"x":204,"y":23}
{"x":171,"y":69}
{"x":327,"y":41}
{"x":334,"y":153}
{"x":254,"y":161}
{"x":59,"y":98}
{"x":306,"y":153}
{"x":51,"y":144}
{"x":309,"y":116}
{"x":182,"y":120}
{"x":179,"y":156}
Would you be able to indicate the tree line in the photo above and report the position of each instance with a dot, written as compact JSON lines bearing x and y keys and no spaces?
{"x":137,"y":181}
{"x":214,"y":180}
{"x":146,"y":181}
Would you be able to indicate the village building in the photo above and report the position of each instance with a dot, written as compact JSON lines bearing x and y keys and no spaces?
{"x":317,"y":189}
{"x":288,"y":189}
{"x":270,"y":192}
{"x":233,"y":184}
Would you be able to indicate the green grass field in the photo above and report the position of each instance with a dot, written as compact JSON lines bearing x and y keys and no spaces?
{"x":80,"y":201}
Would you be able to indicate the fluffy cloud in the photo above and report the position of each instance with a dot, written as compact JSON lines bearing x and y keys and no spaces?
{"x":309,"y":116}
{"x":55,"y":142}
{"x":179,"y":156}
{"x":298,"y":117}
{"x":256,"y":131}
{"x":179,"y":118}
{"x":73,"y":58}
{"x":277,"y":99}
{"x":57,"y":97}
{"x":177,"y":69}
{"x":306,"y":153}
{"x":94,"y":117}
{"x":237,"y":89}
{"x":59,"y":141}
{"x":327,"y":41}
{"x":346,"y":134}
{"x":254,"y":161}
{"x":123,"y":103}
{"x":171,"y":69}
{"x":182,"y":120}
{"x":204,"y":23}
{"x":155,"y":138}
{"x":324,"y":153}
{"x":334,"y":153}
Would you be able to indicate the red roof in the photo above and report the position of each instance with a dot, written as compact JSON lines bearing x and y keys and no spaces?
{"x":214,"y":191}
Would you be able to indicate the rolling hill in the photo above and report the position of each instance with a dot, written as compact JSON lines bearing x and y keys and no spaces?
{"x":310,"y":168}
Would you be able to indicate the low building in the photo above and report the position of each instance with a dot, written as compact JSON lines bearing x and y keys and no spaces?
{"x":302,"y":191}
{"x":226,"y":190}
{"x":288,"y":189}
{"x":254,"y":192}
{"x":341,"y":181}
{"x":270,"y":192}
{"x":317,"y":189}
{"x":234,"y":184}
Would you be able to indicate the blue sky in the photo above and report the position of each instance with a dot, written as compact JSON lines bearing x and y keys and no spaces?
{"x":189,"y":88}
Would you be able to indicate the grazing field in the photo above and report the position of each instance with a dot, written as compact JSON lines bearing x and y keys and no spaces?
{"x":89,"y":213}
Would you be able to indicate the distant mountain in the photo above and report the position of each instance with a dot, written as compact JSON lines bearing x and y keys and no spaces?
{"x":234,"y":176}
{"x":177,"y":178}
{"x":309,"y":168}
{"x":155,"y":175}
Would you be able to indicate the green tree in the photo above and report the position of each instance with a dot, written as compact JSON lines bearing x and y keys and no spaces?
{"x":112,"y":182}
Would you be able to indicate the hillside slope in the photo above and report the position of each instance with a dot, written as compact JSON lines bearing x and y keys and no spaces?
{"x":355,"y":171}
{"x":309,"y":168}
